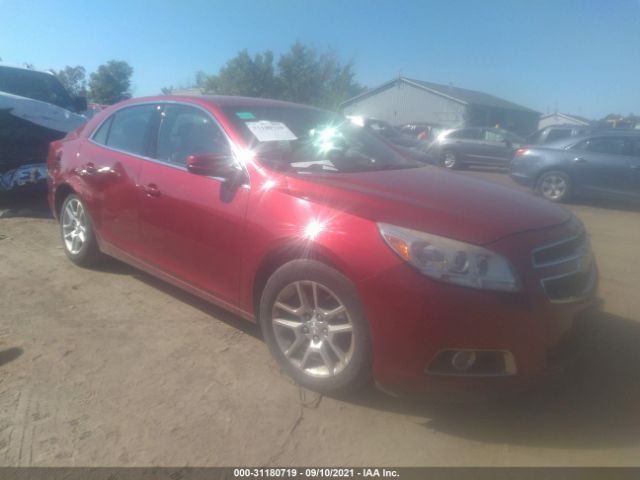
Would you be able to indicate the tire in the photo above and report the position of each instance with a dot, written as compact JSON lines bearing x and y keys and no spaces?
{"x":450,"y":160}
{"x":78,"y":239}
{"x":322,"y":347}
{"x":554,"y":185}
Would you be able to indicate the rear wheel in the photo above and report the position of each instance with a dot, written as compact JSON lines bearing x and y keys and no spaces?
{"x":450,"y":160}
{"x":78,"y":239}
{"x":554,"y":185}
{"x":315,"y":327}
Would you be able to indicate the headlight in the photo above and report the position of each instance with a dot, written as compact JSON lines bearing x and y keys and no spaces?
{"x":451,"y":261}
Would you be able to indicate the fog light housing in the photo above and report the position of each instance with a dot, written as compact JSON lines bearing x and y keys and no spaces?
{"x":463,"y":360}
{"x":470,"y":362}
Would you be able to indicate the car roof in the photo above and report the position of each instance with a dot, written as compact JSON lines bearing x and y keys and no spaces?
{"x":564,"y":142}
{"x":221,"y":101}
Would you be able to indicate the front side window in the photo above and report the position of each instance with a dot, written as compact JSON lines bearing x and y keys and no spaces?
{"x":610,"y":145}
{"x":185,"y":131}
{"x":128,"y":129}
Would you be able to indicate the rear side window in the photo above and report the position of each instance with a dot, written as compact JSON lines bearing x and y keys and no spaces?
{"x":493,"y":136}
{"x":634,"y":147}
{"x":101,"y":135}
{"x":185,"y":131}
{"x":127,"y":129}
{"x":610,"y":145}
{"x":466,"y":134}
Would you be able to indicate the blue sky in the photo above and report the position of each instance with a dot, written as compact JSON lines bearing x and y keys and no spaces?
{"x":581,"y":55}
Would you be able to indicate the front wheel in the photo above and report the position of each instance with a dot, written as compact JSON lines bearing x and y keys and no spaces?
{"x":316,"y":328}
{"x":554,"y":185}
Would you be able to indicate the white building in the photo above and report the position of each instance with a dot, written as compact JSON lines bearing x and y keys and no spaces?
{"x":404,"y":100}
{"x":558,"y":118}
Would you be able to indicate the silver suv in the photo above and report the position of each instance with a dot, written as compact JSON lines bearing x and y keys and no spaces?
{"x":460,"y":147}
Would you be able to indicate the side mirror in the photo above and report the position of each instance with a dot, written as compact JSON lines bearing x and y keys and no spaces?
{"x":211,"y":164}
{"x":80,"y":104}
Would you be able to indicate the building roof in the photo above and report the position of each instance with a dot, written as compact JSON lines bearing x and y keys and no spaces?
{"x":461,"y":95}
{"x":574,"y":118}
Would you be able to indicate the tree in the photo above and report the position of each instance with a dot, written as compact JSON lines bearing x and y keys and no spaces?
{"x":317,"y":79}
{"x":301,"y":75}
{"x":243,"y":75}
{"x":111,"y":83}
{"x":73,"y":79}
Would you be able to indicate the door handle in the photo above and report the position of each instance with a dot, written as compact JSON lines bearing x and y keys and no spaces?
{"x":579,"y":160}
{"x":89,"y":169}
{"x":152,"y":190}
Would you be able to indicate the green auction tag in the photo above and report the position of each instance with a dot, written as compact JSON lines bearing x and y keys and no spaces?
{"x":245,"y":115}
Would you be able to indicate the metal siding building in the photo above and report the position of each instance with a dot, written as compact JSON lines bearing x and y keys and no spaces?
{"x":404,"y":100}
{"x":558,"y":118}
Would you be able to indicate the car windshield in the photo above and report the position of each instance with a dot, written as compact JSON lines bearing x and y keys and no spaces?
{"x":307,"y":139}
{"x":35,"y":85}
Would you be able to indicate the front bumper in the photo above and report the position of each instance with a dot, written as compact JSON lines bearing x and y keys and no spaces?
{"x":414,"y":318}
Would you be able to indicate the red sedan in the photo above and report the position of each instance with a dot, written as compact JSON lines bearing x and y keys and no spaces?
{"x":355,"y":261}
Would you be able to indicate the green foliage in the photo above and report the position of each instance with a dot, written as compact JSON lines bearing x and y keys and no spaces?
{"x":111,"y":83}
{"x":73,"y":79}
{"x":301,"y":75}
{"x":243,"y":75}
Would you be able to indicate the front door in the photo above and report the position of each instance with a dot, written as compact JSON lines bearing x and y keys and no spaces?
{"x":192,"y":225}
{"x":602,"y":165}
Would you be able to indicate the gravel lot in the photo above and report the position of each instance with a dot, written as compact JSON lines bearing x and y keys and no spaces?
{"x":115,"y":368}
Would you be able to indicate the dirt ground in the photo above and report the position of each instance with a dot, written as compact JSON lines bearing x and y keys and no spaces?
{"x":115,"y":368}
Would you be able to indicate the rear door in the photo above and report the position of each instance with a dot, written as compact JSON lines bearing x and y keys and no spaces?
{"x":110,"y":167}
{"x":466,"y":143}
{"x":192,"y":225}
{"x":603,"y":165}
{"x":634,"y":176}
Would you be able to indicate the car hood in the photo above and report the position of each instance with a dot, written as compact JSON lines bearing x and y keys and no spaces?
{"x":432,"y":200}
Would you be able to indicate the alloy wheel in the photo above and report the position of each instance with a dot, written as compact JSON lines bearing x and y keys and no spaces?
{"x":313,"y":329}
{"x":553,"y":187}
{"x":449,"y":160}
{"x":74,"y":226}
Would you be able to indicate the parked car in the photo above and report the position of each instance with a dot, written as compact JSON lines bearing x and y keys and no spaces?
{"x":354,"y":260}
{"x":596,"y":164}
{"x":557,"y":132}
{"x":35,"y":109}
{"x":461,"y":147}
{"x":406,"y":144}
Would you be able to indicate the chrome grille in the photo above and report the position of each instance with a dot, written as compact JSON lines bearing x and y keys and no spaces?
{"x":560,"y":252}
{"x":567,"y":269}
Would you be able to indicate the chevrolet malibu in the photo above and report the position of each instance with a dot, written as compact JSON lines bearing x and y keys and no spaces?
{"x":356,"y":262}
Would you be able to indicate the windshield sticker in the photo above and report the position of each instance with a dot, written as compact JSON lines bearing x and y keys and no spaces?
{"x":266,"y":131}
{"x":245,"y":116}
